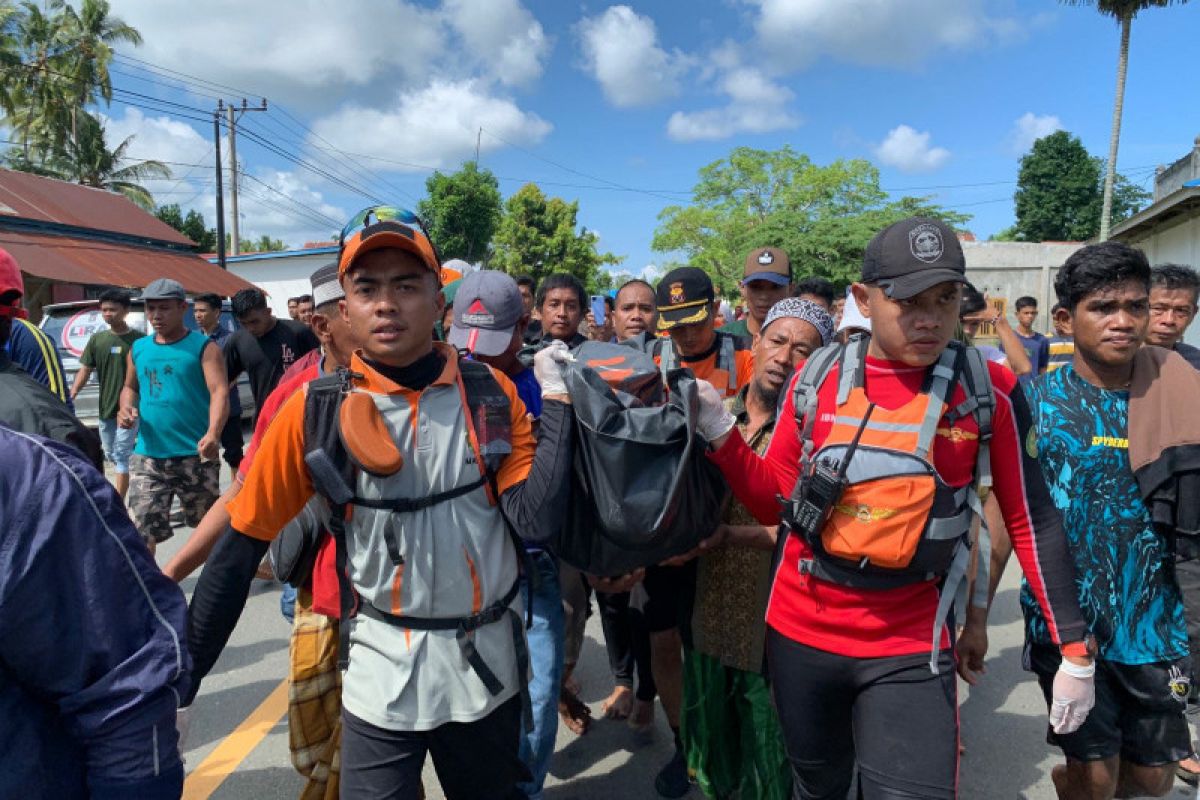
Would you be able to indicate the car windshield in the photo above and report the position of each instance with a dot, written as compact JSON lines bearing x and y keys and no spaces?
{"x":71,"y":327}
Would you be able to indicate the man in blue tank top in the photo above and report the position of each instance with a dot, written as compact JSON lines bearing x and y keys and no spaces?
{"x":176,"y":388}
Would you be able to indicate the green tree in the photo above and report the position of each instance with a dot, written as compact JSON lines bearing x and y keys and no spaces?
{"x":822,"y":216}
{"x":192,"y":226}
{"x":539,"y":235}
{"x":462,"y":211}
{"x":263,"y":244}
{"x":1123,"y":11}
{"x":1060,"y":189}
{"x":85,"y":158}
{"x":55,"y":61}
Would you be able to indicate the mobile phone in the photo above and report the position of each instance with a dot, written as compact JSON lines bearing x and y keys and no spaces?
{"x":598,"y":308}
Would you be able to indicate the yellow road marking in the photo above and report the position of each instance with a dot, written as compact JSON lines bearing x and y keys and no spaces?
{"x":230,"y":753}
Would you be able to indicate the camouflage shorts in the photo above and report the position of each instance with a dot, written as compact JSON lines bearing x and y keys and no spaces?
{"x":154,"y":482}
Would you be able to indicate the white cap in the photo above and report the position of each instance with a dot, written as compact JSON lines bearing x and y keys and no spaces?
{"x":851,"y":316}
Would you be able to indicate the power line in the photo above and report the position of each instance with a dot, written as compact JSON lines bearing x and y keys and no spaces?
{"x":309,"y":209}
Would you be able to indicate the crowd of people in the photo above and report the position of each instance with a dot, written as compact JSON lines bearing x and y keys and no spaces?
{"x":410,"y":471}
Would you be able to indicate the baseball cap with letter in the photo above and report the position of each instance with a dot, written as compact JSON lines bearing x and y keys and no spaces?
{"x":912,"y":255}
{"x":768,"y":264}
{"x":684,"y":297}
{"x":487,"y":308}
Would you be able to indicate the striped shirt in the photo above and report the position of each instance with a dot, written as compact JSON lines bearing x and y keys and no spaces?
{"x":35,"y":352}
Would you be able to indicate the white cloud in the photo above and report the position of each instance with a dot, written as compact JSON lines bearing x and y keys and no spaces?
{"x":291,"y":50}
{"x":291,"y":209}
{"x":875,"y":32}
{"x":435,"y":126}
{"x":159,"y":138}
{"x":307,"y":52}
{"x":910,"y":151}
{"x":621,"y":51}
{"x":756,"y":105}
{"x":502,"y":36}
{"x":1030,"y":127}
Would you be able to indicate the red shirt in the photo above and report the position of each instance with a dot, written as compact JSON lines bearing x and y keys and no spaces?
{"x":874,"y":623}
{"x":324,"y":575}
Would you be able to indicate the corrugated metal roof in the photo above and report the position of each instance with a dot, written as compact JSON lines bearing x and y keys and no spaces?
{"x":79,"y":260}
{"x":47,"y":200}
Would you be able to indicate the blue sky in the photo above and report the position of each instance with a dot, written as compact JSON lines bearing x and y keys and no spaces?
{"x":583,"y":98}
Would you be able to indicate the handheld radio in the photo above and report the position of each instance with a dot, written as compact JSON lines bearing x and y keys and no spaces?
{"x":824,"y":487}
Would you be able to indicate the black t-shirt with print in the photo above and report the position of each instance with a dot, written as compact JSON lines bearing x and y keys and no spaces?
{"x":265,"y":359}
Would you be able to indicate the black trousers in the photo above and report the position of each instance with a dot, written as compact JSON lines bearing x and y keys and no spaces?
{"x":474,"y":760}
{"x":627,"y":642}
{"x":892,"y":716}
{"x":232,"y":442}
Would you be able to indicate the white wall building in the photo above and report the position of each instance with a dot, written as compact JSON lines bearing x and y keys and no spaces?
{"x":1168,"y":230}
{"x":282,"y":274}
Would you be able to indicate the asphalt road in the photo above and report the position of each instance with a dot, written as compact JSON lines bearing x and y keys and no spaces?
{"x":1003,"y":720}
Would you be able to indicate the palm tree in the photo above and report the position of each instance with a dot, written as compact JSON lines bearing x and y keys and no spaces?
{"x":86,"y":159}
{"x":1123,"y":11}
{"x":94,"y":32}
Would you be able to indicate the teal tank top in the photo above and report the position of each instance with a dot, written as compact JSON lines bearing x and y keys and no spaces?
{"x":173,"y":402}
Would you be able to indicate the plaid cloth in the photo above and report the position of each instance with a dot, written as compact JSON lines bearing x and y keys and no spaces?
{"x":315,"y":701}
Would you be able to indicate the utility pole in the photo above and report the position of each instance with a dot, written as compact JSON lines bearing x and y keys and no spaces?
{"x":220,"y":189}
{"x":478,"y":136}
{"x":235,"y":241}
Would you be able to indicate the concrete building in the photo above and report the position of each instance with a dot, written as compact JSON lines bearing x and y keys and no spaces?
{"x":1005,"y":271}
{"x":1168,"y":230}
{"x":282,"y":274}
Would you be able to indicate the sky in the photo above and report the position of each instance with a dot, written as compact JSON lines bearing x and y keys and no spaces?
{"x":619,"y":106}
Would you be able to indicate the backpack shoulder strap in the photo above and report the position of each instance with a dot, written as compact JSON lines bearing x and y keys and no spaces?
{"x":489,"y":415}
{"x":489,"y":423}
{"x":980,"y":403}
{"x":726,"y":360}
{"x":324,"y":452}
{"x":804,"y":394}
{"x":333,"y":477}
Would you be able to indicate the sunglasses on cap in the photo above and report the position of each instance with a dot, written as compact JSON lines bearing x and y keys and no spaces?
{"x":373,"y":215}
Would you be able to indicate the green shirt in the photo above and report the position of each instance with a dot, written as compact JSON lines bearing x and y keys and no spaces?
{"x":105,"y":352}
{"x":738,"y":328}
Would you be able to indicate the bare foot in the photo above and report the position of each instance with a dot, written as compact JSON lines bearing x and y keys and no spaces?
{"x":574,"y":712}
{"x":642,"y":718}
{"x":618,"y":704}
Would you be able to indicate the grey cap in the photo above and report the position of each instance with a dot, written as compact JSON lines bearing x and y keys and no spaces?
{"x":325,"y":285}
{"x":487,"y":309}
{"x":913,"y":255}
{"x":164,"y":289}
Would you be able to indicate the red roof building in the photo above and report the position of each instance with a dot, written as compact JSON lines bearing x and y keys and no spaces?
{"x":71,"y":240}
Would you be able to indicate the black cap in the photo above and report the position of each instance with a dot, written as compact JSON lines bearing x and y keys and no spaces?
{"x":912,"y":255}
{"x":684,"y":297}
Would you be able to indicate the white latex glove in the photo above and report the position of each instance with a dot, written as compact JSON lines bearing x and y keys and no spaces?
{"x":1074,"y":695}
{"x":183,"y":723}
{"x":547,"y":367}
{"x":715,"y":420}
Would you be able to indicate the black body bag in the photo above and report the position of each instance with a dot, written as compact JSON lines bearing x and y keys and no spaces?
{"x":642,"y":489}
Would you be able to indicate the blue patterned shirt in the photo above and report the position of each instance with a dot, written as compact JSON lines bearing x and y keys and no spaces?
{"x":1127,"y":590}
